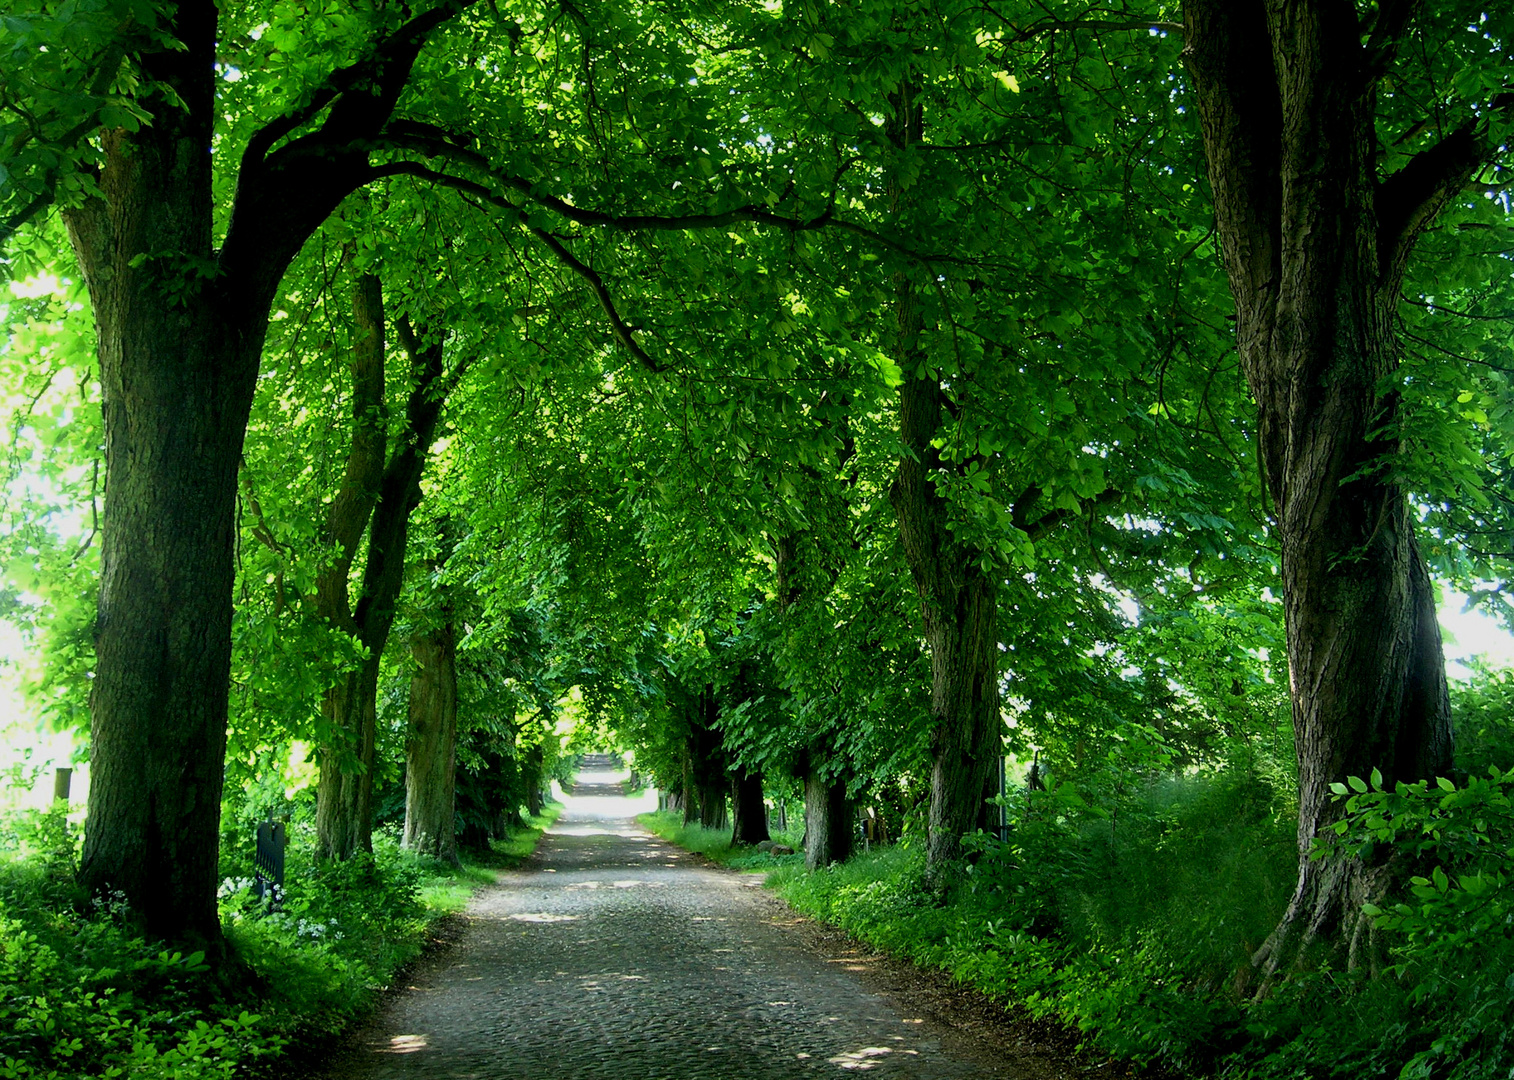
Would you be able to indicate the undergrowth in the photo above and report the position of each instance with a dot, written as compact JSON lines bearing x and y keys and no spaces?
{"x":1133,"y":920}
{"x":83,"y":994}
{"x":715,"y":844}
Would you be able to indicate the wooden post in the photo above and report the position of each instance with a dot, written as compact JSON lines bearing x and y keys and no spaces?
{"x":62,"y":780}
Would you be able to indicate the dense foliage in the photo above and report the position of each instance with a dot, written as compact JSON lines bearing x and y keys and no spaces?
{"x":82,"y":993}
{"x":844,"y":404}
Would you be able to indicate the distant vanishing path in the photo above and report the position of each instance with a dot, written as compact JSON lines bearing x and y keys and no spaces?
{"x":614,"y":956}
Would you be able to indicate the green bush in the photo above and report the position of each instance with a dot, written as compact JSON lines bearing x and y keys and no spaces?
{"x":1131,"y":915}
{"x":83,"y":994}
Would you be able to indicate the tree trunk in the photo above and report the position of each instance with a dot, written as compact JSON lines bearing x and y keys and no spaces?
{"x":708,"y":777}
{"x":958,"y":598}
{"x":178,"y":364}
{"x":381,"y":496}
{"x":713,"y":810}
{"x":749,"y":813}
{"x":1315,"y":248}
{"x":827,"y":821}
{"x":344,"y":794}
{"x":431,"y":753}
{"x":180,"y":330}
{"x":533,"y":769}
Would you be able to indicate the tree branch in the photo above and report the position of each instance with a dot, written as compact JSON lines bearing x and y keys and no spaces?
{"x":1393,"y":17}
{"x":284,"y":195}
{"x":1035,"y":529}
{"x":400,"y":46}
{"x":622,"y":331}
{"x":1411,"y":198}
{"x":437,"y":142}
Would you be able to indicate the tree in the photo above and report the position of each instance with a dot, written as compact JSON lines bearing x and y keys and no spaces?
{"x":431,"y":737}
{"x":1322,"y":189}
{"x":180,"y":324}
{"x":380,"y":490}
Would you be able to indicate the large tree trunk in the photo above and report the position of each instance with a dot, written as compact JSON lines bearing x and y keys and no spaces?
{"x":1315,"y":248}
{"x":827,"y":820}
{"x":180,"y":331}
{"x":431,"y":752}
{"x":749,"y":814}
{"x":178,"y":364}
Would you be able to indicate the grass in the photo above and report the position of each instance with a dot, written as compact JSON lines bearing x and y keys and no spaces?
{"x":446,"y":890}
{"x":715,"y":844}
{"x":83,"y":994}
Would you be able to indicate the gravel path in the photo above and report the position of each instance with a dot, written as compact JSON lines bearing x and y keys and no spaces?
{"x":612,"y":955}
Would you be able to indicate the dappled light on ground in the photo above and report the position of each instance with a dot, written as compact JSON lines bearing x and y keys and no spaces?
{"x":611,"y":955}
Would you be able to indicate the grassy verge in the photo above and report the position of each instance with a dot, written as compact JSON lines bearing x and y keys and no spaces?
{"x":715,"y":844}
{"x":83,"y":994}
{"x":1138,"y":934}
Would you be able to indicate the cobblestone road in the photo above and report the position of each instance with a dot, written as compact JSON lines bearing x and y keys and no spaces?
{"x":614,"y":956}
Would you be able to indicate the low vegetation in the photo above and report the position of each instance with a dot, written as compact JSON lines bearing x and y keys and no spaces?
{"x":1129,"y":904}
{"x":715,"y":844}
{"x":82,"y":994}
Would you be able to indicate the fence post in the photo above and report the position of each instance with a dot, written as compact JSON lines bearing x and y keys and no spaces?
{"x":62,"y":780}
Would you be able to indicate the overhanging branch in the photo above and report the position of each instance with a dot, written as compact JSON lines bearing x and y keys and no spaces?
{"x":400,"y":45}
{"x":618,"y":326}
{"x":1411,"y":198}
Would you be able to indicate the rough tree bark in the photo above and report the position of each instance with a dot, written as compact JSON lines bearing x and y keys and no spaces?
{"x":431,"y":751}
{"x":533,"y":769}
{"x":180,"y":330}
{"x":1315,"y":246}
{"x":958,"y":599}
{"x":749,"y":814}
{"x":706,"y":772}
{"x":344,"y":796}
{"x":827,"y":821}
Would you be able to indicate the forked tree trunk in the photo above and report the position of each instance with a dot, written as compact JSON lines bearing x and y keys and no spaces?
{"x":749,"y":814}
{"x":827,"y":821}
{"x":431,"y":752}
{"x":1315,"y":246}
{"x":344,"y":795}
{"x":381,"y":495}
